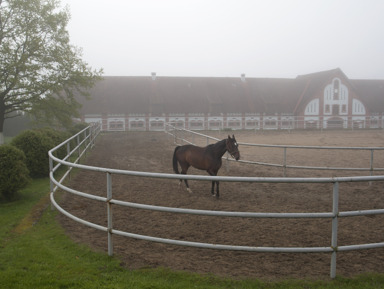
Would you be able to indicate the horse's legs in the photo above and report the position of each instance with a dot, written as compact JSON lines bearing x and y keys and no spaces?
{"x":186,"y":184}
{"x":213,"y":185}
{"x":184,"y":170}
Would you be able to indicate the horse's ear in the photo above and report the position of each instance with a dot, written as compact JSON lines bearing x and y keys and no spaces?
{"x":233,"y":136}
{"x":229,"y":137}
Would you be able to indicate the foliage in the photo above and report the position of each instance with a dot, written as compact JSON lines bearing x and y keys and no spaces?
{"x":36,"y":143}
{"x":35,"y":146}
{"x":57,"y":137}
{"x":78,"y":127}
{"x":40,"y":70}
{"x":14,"y":174}
{"x":55,"y":111}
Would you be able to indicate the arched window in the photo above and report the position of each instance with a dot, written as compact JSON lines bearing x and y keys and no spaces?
{"x":312,"y":107}
{"x":336,"y":98}
{"x":336,"y":89}
{"x":358,"y":107}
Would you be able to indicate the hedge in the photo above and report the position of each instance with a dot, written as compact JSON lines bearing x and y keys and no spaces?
{"x":14,"y":174}
{"x":35,"y":145}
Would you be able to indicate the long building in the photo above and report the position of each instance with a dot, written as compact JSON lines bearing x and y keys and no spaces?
{"x":321,"y":100}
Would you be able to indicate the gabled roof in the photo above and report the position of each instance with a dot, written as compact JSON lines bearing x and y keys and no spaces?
{"x":371,"y":92}
{"x":131,"y":94}
{"x":191,"y":95}
{"x":314,"y":82}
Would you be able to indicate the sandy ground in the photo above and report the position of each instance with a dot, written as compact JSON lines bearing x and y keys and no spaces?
{"x":152,"y":151}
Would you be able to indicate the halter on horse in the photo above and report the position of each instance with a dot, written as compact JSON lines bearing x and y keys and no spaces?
{"x":204,"y":158}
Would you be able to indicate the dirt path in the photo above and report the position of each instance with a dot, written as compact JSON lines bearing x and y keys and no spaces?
{"x":152,"y":151}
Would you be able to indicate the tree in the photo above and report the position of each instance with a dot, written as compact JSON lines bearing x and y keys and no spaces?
{"x":40,"y":71}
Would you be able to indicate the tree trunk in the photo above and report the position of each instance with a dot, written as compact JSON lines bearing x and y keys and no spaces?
{"x":2,"y":118}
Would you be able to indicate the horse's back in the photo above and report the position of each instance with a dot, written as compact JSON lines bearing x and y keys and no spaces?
{"x":194,"y":156}
{"x":187,"y":151}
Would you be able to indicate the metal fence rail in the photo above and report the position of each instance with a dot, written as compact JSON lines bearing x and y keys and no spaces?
{"x":179,"y":136}
{"x":91,"y":133}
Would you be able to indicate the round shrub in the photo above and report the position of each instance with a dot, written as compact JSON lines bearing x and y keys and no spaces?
{"x":57,"y":138}
{"x":14,"y":174}
{"x":35,"y":146}
{"x":78,"y":127}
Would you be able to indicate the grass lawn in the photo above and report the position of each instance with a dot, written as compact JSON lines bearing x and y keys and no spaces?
{"x":35,"y":253}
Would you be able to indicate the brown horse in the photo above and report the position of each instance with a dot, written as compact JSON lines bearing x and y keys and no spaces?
{"x":204,"y":158}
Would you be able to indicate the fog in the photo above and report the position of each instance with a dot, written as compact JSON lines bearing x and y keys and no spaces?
{"x":225,"y":38}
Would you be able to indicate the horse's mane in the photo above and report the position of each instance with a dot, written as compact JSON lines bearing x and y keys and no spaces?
{"x":219,"y":144}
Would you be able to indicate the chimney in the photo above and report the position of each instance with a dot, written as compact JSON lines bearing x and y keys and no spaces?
{"x":153,"y":75}
{"x":243,"y":77}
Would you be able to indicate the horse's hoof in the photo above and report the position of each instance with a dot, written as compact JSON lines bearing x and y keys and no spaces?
{"x":189,"y":190}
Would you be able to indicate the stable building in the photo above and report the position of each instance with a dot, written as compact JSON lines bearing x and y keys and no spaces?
{"x":321,"y":100}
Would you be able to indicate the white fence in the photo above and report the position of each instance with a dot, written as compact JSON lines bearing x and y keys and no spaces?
{"x":234,"y":121}
{"x":183,"y":136}
{"x":85,"y":139}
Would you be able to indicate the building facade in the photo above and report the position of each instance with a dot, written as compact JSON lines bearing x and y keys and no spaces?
{"x":322,"y":100}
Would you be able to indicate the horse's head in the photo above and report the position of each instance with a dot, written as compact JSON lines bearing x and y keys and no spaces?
{"x":233,"y":147}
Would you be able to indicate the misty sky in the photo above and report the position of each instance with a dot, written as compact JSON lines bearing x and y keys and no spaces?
{"x":225,"y":38}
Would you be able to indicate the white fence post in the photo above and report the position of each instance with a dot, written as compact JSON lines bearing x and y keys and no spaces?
{"x":335,"y":212}
{"x":109,"y":214}
{"x":78,"y":146}
{"x":51,"y":185}
{"x":285,"y":162}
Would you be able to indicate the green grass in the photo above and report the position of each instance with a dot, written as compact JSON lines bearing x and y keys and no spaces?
{"x":40,"y":255}
{"x":13,"y":212}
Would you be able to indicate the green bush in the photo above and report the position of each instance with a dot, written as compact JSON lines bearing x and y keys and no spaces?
{"x":14,"y":174}
{"x":35,"y":145}
{"x":78,"y":127}
{"x":57,"y":137}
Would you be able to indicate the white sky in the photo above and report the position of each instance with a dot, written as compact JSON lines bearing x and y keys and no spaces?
{"x":225,"y":38}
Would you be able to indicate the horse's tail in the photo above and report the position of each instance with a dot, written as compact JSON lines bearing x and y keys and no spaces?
{"x":174,"y":161}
